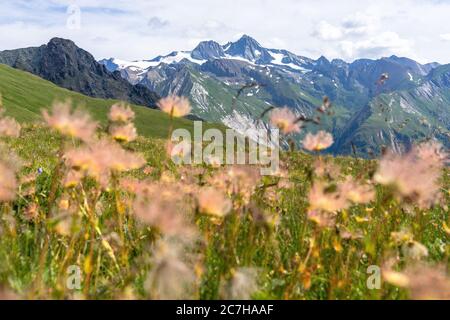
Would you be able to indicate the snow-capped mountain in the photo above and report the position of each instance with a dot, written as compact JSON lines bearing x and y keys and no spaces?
{"x":369,"y":111}
{"x":245,"y":49}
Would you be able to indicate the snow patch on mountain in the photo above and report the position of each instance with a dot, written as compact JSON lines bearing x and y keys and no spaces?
{"x":143,"y":65}
{"x":411,"y":78}
{"x":133,"y":65}
{"x":278,"y":60}
{"x":200,"y":96}
{"x":248,"y":127}
{"x":176,"y":57}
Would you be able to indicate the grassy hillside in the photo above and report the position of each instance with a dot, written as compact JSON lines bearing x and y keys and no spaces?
{"x":24,"y":95}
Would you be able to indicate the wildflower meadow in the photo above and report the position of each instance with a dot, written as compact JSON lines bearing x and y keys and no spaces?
{"x":93,"y":210}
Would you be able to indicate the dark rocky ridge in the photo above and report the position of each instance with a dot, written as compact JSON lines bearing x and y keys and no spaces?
{"x":63,"y":63}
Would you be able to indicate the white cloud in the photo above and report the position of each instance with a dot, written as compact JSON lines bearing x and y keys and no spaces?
{"x":362,"y":35}
{"x":144,"y":29}
{"x":445,"y":36}
{"x":357,"y":24}
{"x":327,"y":31}
{"x":379,"y":45}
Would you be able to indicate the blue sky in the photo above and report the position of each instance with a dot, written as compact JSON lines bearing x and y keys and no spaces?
{"x":139,"y":29}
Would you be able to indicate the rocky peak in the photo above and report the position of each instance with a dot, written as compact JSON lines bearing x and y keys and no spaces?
{"x":207,"y":50}
{"x":248,"y":48}
{"x":322,"y":61}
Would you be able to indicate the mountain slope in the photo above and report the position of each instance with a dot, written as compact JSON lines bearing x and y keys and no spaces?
{"x":24,"y":95}
{"x":399,"y":118}
{"x":63,"y":63}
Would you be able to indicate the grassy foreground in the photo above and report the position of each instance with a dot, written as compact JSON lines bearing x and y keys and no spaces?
{"x":147,"y":229}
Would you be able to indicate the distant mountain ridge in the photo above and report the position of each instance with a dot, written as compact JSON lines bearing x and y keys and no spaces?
{"x":246,"y":49}
{"x":63,"y":63}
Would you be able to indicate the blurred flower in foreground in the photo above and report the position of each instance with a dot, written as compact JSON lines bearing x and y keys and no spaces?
{"x":10,"y":164}
{"x":123,"y":133}
{"x":148,"y":170}
{"x":323,"y":219}
{"x":72,"y":178}
{"x":75,"y":124}
{"x":393,"y":277}
{"x":102,"y":157}
{"x":325,"y":169}
{"x":175,"y":106}
{"x":323,"y":197}
{"x":237,"y":180}
{"x":432,"y":151}
{"x":213,"y":202}
{"x":415,"y":175}
{"x":402,"y":236}
{"x":170,"y":277}
{"x":414,"y":250}
{"x":9,"y":127}
{"x":285,"y":120}
{"x":319,"y":141}
{"x":355,"y":192}
{"x":8,"y":182}
{"x":120,"y":112}
{"x":163,"y":207}
{"x":31,"y":212}
{"x":242,"y":285}
{"x":423,"y":282}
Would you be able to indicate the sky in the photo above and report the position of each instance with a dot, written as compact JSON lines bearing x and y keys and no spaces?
{"x":135,"y":30}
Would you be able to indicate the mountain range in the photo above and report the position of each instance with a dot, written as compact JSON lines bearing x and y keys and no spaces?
{"x":411,"y":102}
{"x":391,"y":101}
